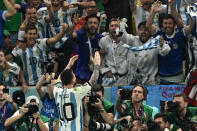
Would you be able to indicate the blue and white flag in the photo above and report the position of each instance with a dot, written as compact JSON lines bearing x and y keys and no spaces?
{"x":192,"y":11}
{"x":154,"y":43}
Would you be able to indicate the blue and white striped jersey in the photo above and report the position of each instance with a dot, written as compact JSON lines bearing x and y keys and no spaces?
{"x":10,"y":77}
{"x":69,"y":106}
{"x":181,"y":7}
{"x":55,"y":26}
{"x":32,"y":59}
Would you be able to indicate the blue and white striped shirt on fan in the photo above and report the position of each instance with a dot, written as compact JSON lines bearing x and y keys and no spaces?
{"x":32,"y":59}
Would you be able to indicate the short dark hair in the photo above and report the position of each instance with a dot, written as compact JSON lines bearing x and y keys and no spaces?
{"x":92,"y":16}
{"x":66,"y":77}
{"x":30,"y":27}
{"x":165,"y":16}
{"x":145,"y":91}
{"x":98,"y":87}
{"x":141,"y":24}
{"x":3,"y":84}
{"x":29,"y":7}
{"x":113,"y":19}
{"x":181,"y":95}
{"x":164,"y":117}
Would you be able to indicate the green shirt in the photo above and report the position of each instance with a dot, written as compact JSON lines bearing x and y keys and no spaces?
{"x":129,"y":110}
{"x":15,"y":22}
{"x":176,"y":121}
{"x":26,"y":123}
{"x":147,"y":110}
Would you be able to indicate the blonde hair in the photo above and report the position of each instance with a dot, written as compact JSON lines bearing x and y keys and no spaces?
{"x":6,"y":64}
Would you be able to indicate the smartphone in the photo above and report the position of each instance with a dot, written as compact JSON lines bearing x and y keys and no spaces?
{"x":6,"y":90}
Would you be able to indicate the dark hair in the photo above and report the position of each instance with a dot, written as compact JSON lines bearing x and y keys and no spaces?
{"x":30,"y":27}
{"x":92,"y":16}
{"x":2,"y":51}
{"x":3,"y":84}
{"x":145,"y":91}
{"x":142,"y":24}
{"x":93,"y":1}
{"x":164,"y":117}
{"x":181,"y":95}
{"x":164,"y":16}
{"x":98,"y":87}
{"x":113,"y":19}
{"x":29,"y":7}
{"x":66,"y":77}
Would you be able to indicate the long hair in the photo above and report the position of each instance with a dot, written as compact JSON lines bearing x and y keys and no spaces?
{"x":6,"y":64}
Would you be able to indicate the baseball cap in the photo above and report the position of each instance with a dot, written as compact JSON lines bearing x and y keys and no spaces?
{"x":32,"y":99}
{"x":19,"y":97}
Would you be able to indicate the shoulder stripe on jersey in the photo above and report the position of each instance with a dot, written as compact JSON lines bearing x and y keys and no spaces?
{"x":33,"y":66}
{"x":25,"y":65}
{"x":42,"y":29}
{"x":11,"y":81}
{"x":73,"y":100}
{"x":41,"y":60}
{"x":81,"y":118}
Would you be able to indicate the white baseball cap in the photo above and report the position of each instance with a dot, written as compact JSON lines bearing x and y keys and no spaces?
{"x":30,"y":98}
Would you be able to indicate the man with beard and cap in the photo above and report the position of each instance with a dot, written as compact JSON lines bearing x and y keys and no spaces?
{"x":87,"y":40}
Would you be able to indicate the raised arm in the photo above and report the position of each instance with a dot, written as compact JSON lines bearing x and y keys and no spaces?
{"x":133,"y":5}
{"x":95,"y":74}
{"x":70,"y":64}
{"x":49,"y":17}
{"x":57,"y":37}
{"x":22,"y":78}
{"x":14,"y":118}
{"x":119,"y":103}
{"x":39,"y":88}
{"x":188,"y":29}
{"x":149,"y":24}
{"x":11,"y":10}
{"x":175,"y":14}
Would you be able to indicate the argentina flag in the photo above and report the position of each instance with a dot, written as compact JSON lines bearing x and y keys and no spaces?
{"x":192,"y":11}
{"x":154,"y":43}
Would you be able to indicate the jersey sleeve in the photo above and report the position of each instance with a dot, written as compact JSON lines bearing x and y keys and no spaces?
{"x":57,"y":89}
{"x":16,"y":51}
{"x":82,"y":90}
{"x":3,"y":15}
{"x":14,"y":68}
{"x":21,"y":35}
{"x":42,"y":43}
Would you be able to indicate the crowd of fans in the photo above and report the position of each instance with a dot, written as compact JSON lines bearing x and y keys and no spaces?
{"x":70,"y":50}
